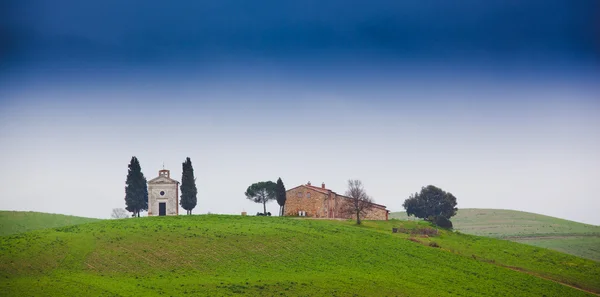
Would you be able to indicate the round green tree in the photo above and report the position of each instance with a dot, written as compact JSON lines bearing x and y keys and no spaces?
{"x":261,"y":192}
{"x":431,"y":203}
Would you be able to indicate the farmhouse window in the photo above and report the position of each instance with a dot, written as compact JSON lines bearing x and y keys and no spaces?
{"x":307,"y":195}
{"x":299,"y":194}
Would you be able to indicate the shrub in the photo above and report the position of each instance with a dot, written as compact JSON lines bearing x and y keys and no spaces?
{"x":428,"y":231}
{"x":434,"y":244}
{"x":443,"y":222}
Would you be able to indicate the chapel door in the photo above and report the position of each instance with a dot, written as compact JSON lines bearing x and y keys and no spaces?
{"x":162,"y":209}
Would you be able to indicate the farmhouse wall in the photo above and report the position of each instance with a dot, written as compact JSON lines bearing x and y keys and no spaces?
{"x":324,"y":203}
{"x":375,"y":213}
{"x":305,"y":199}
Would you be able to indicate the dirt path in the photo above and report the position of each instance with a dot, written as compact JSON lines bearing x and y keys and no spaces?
{"x":548,"y":237}
{"x":518,"y":269}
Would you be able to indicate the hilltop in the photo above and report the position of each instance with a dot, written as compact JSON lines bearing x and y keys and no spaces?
{"x":12,"y":222}
{"x":566,"y":236}
{"x":216,"y":255}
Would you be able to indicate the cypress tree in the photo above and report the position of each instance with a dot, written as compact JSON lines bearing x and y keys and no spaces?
{"x":188,"y":187}
{"x":280,"y":196}
{"x":136,"y":189}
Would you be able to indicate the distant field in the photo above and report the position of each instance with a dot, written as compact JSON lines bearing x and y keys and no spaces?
{"x":218,"y":255}
{"x":575,"y":238}
{"x":12,"y":222}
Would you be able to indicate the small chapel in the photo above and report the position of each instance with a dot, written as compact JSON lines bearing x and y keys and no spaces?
{"x":163,"y":195}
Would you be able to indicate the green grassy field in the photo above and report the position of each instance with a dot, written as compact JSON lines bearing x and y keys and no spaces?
{"x":570,"y":237}
{"x":12,"y":222}
{"x":218,"y":255}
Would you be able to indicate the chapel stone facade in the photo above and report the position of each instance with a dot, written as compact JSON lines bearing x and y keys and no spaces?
{"x":163,"y":195}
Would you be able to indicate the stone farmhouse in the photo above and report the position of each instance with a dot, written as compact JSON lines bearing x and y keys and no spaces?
{"x":163,"y":195}
{"x":320,"y":202}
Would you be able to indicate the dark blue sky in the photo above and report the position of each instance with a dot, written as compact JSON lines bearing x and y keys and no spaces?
{"x":186,"y":31}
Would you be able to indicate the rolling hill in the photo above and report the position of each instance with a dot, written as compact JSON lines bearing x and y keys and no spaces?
{"x":12,"y":222}
{"x":219,"y":255}
{"x":566,"y":236}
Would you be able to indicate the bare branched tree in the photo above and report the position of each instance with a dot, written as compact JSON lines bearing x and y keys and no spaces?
{"x":359,"y":202}
{"x":119,"y":213}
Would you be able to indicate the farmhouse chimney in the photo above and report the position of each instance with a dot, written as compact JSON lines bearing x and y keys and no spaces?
{"x":308,"y":184}
{"x":323,"y":185}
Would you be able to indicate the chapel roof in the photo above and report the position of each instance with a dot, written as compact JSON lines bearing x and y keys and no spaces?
{"x":164,"y":177}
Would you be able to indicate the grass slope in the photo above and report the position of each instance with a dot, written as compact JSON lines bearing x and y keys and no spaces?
{"x":12,"y":222}
{"x":570,"y":237}
{"x":217,"y":255}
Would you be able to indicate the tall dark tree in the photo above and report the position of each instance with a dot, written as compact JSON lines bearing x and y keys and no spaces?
{"x":431,"y":203}
{"x":136,"y":189}
{"x":359,"y":202}
{"x":280,"y":196}
{"x":261,"y":192}
{"x":188,"y":187}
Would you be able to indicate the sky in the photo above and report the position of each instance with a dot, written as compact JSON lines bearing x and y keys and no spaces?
{"x":496,"y":102}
